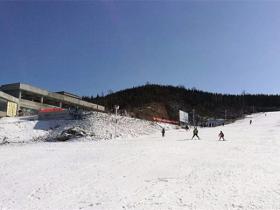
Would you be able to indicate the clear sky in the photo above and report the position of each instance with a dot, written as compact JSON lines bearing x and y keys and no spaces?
{"x":94,"y":46}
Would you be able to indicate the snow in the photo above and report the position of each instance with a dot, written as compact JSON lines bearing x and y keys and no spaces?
{"x":18,"y":131}
{"x":100,"y":125}
{"x":141,"y":171}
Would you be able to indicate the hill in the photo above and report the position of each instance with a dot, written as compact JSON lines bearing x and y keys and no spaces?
{"x":147,"y":172}
{"x":164,"y":101}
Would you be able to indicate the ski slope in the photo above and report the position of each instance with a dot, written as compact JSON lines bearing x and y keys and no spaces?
{"x":149,"y":172}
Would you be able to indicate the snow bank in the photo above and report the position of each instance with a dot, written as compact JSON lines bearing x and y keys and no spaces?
{"x":18,"y":130}
{"x":104,"y":126}
{"x":99,"y":125}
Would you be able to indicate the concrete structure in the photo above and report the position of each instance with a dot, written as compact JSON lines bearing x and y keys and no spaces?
{"x":69,"y":94}
{"x":30,"y":99}
{"x":5,"y":100}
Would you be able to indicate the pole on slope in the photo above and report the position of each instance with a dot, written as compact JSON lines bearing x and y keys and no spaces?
{"x":193,"y":117}
{"x":116,"y":114}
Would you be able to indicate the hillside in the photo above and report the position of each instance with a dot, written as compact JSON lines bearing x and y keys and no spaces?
{"x":148,"y":172}
{"x":164,"y":101}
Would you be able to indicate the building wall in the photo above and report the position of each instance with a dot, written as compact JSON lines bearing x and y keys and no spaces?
{"x":3,"y":105}
{"x":7,"y":108}
{"x":3,"y":114}
{"x":11,"y":109}
{"x":8,"y":105}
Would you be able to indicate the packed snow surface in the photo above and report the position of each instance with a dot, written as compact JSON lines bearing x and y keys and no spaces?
{"x":145,"y":172}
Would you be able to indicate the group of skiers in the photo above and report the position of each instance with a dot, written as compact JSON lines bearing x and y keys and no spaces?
{"x":195,"y":133}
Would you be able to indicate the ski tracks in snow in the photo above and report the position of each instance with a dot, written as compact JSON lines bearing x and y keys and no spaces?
{"x":149,"y":172}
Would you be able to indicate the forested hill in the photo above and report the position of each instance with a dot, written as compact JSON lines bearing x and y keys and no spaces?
{"x":164,"y":101}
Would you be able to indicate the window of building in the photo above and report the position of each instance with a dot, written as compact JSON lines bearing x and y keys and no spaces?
{"x":3,"y":105}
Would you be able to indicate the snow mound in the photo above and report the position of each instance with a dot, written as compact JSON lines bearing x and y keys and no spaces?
{"x":100,"y":126}
{"x":97,"y":126}
{"x":16,"y":130}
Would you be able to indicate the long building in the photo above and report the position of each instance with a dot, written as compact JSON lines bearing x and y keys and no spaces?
{"x":27,"y":99}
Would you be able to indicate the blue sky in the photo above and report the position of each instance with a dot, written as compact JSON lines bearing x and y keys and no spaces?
{"x":95,"y":46}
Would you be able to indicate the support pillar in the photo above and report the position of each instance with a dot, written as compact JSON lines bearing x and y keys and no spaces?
{"x":19,"y":100}
{"x":19,"y":95}
{"x":42,"y":100}
{"x":193,"y":117}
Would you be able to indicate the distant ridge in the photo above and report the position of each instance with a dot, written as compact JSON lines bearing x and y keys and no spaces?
{"x":165,"y":100}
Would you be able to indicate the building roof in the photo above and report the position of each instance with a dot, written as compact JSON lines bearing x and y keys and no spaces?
{"x":69,"y":94}
{"x":62,"y":96}
{"x":8,"y":97}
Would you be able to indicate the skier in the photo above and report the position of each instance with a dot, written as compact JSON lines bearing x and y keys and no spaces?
{"x":163,"y":132}
{"x":195,"y":133}
{"x":221,"y":136}
{"x":250,"y":122}
{"x":187,"y":128}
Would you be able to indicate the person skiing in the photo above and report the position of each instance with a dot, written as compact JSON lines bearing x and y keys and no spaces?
{"x":251,"y":122}
{"x":162,"y":132}
{"x":187,"y":128}
{"x":221,"y":136}
{"x":195,"y":133}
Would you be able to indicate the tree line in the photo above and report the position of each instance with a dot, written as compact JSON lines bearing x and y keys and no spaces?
{"x":206,"y":104}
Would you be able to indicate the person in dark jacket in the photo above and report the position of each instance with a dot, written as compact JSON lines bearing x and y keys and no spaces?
{"x":221,"y":136}
{"x":195,"y":133}
{"x":163,"y":132}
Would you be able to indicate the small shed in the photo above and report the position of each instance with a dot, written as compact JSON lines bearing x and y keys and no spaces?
{"x":212,"y":122}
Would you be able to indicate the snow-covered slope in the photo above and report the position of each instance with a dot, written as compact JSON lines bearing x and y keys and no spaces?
{"x":149,"y":172}
{"x":18,"y":130}
{"x":100,"y":125}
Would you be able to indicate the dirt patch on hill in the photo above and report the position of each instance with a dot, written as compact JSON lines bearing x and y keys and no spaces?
{"x":151,"y":110}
